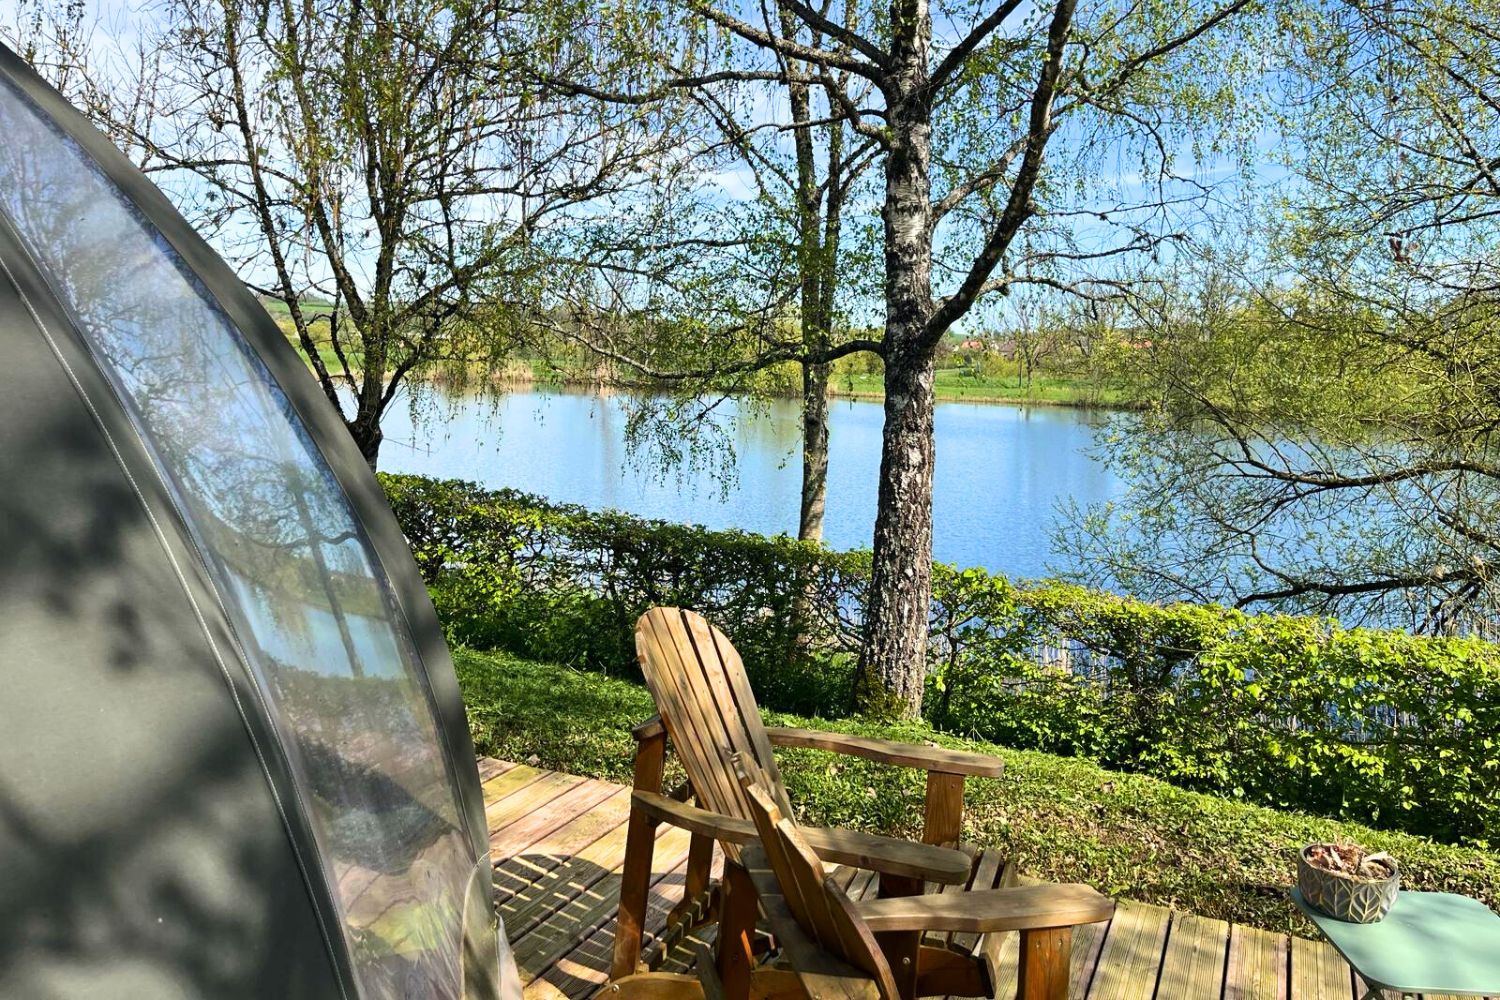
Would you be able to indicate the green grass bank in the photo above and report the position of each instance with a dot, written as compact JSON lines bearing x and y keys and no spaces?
{"x":1062,"y":819}
{"x":958,"y":385}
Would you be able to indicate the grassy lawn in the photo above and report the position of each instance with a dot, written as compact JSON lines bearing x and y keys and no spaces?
{"x":1059,"y":818}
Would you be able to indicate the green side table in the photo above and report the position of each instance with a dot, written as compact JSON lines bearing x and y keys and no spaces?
{"x":1431,"y":942}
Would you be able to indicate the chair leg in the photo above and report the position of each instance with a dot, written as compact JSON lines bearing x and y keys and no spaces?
{"x":635,"y":885}
{"x":902,"y":950}
{"x":736,"y":932}
{"x":700,"y":860}
{"x":640,"y":841}
{"x":1045,"y":959}
{"x":987,"y":950}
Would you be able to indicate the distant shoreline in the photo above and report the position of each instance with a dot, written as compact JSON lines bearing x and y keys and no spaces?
{"x":989,"y":399}
{"x":520,"y":374}
{"x":518,"y":377}
{"x":1051,"y":390}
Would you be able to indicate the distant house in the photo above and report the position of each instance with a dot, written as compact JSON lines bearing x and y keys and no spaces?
{"x":972,"y":344}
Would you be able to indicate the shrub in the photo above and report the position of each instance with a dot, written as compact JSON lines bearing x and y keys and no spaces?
{"x":1380,"y":726}
{"x":565,"y":585}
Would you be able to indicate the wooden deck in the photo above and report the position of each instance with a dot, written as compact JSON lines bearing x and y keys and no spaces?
{"x":558,"y":842}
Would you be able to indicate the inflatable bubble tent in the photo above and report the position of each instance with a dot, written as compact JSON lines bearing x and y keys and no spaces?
{"x":233,"y":757}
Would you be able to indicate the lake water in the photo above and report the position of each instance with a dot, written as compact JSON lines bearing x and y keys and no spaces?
{"x":1001,"y":470}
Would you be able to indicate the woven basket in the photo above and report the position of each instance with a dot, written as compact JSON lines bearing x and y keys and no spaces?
{"x":1343,"y":897}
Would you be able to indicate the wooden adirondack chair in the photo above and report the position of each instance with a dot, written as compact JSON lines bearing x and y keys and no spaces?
{"x":840,"y":948}
{"x":707,"y":709}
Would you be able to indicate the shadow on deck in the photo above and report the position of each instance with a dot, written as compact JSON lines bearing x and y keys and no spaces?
{"x":558,"y":843}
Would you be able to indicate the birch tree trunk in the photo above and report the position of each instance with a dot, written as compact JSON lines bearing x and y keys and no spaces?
{"x":816,"y":275}
{"x":893,"y":659}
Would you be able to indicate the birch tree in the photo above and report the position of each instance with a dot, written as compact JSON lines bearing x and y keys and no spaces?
{"x":1015,"y":144}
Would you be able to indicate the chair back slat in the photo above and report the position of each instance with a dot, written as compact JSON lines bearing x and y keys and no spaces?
{"x":733,"y":688}
{"x":670,"y":666}
{"x":819,"y":906}
{"x":699,"y":684}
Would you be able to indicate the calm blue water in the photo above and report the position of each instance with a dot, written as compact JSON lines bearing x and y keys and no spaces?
{"x":1000,"y":469}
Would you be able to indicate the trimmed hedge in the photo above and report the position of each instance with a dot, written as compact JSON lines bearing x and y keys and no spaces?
{"x":1384,"y":727}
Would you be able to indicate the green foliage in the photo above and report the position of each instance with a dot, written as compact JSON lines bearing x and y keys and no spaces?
{"x":1380,"y":726}
{"x":566,"y":585}
{"x":1060,"y":819}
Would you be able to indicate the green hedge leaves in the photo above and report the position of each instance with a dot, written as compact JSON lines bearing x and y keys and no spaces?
{"x":1392,"y":729}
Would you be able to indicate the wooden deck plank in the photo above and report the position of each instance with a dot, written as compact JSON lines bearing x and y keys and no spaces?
{"x":1008,"y":965}
{"x":496,"y":790}
{"x":1257,"y":967}
{"x":583,"y":830}
{"x":1132,"y":953}
{"x":489,"y":767}
{"x":525,"y":871}
{"x":501,"y":811}
{"x":577,"y":874}
{"x":528,"y":798}
{"x":1088,"y":944}
{"x":591,"y":907}
{"x":559,"y":844}
{"x":581,"y":967}
{"x":1193,"y":967}
{"x":511,"y":837}
{"x":1318,"y":971}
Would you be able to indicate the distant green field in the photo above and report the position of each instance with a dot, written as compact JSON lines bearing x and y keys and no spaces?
{"x":954,"y":384}
{"x":280,"y":312}
{"x":283,"y":317}
{"x":951,"y":384}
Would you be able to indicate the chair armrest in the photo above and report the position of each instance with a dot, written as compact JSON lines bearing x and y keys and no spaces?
{"x":663,"y":809}
{"x":890,"y":855}
{"x":1025,"y":907}
{"x":870,"y":851}
{"x":900,"y":754}
{"x":646,"y":730}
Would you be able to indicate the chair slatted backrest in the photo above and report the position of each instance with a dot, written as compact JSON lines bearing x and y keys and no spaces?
{"x":822,"y":910}
{"x":699,"y":683}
